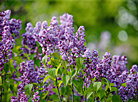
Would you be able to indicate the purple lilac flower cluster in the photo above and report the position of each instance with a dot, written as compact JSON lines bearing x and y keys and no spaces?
{"x":56,"y":38}
{"x":36,"y":98}
{"x":130,"y":91}
{"x":28,"y":75}
{"x":9,"y":31}
{"x":70,"y":45}
{"x":118,"y":70}
{"x":46,"y":36}
{"x":14,"y":25}
{"x":6,"y":46}
{"x":91,"y":61}
{"x":115,"y":71}
{"x":29,"y":41}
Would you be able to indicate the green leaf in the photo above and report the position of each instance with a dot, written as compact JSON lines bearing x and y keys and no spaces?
{"x":112,"y":84}
{"x":107,"y":83}
{"x":30,"y":99}
{"x":83,"y":72}
{"x":6,"y":67}
{"x":87,"y":91}
{"x":74,"y":72}
{"x":40,"y":49}
{"x":83,"y":66}
{"x":37,"y":44}
{"x":79,"y":62}
{"x":66,"y":79}
{"x":106,"y":87}
{"x":101,"y":93}
{"x":28,"y":88}
{"x":32,"y":56}
{"x":9,"y":97}
{"x":124,"y":84}
{"x":44,"y":59}
{"x":63,"y":90}
{"x":49,"y":62}
{"x":17,"y":59}
{"x":56,"y":55}
{"x":60,"y":71}
{"x":81,"y":82}
{"x":37,"y":62}
{"x":12,"y":69}
{"x":77,"y":98}
{"x":68,"y":90}
{"x":57,"y":69}
{"x":89,"y":94}
{"x":114,"y":89}
{"x":52,"y":72}
{"x":15,"y":49}
{"x":78,"y":84}
{"x":45,"y":94}
{"x":55,"y":90}
{"x":97,"y":85}
{"x":64,"y":64}
{"x":116,"y":98}
{"x":45,"y":79}
{"x":54,"y":97}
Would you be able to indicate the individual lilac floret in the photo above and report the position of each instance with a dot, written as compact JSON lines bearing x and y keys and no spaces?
{"x":134,"y":69}
{"x":14,"y":99}
{"x":23,"y":97}
{"x":36,"y":98}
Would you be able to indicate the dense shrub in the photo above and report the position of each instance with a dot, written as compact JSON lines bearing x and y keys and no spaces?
{"x":53,"y":64}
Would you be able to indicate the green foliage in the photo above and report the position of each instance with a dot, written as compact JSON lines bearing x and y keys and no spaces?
{"x":52,"y":72}
{"x":66,"y":79}
{"x":116,"y":98}
{"x":32,"y":56}
{"x":45,"y":79}
{"x":37,"y":62}
{"x":79,"y":62}
{"x":44,"y":60}
{"x":28,"y":89}
{"x":97,"y":85}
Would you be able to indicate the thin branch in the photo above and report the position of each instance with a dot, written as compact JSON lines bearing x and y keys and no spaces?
{"x":58,"y":91}
{"x":72,"y":93}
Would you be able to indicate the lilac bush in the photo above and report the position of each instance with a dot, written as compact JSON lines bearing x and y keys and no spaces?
{"x":53,"y":64}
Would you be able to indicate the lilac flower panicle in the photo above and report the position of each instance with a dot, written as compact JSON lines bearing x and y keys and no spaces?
{"x":9,"y":31}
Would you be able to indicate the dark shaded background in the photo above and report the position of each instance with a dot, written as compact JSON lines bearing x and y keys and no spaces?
{"x":111,"y":25}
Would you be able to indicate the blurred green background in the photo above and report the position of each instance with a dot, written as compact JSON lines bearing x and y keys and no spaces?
{"x":111,"y":25}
